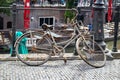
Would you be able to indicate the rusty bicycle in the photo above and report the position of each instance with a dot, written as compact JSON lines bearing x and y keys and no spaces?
{"x":44,"y":45}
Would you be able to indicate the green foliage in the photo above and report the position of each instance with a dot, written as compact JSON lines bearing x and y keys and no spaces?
{"x":69,"y":14}
{"x":5,"y":3}
{"x":70,"y":3}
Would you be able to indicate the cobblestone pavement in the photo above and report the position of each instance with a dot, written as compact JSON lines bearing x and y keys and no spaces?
{"x":57,"y":70}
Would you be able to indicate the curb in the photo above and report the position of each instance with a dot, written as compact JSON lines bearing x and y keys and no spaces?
{"x":68,"y":56}
{"x":52,"y":58}
{"x":116,"y":55}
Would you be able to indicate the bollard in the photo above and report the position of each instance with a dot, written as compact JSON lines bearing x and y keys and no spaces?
{"x":14,"y":11}
{"x":116,"y":28}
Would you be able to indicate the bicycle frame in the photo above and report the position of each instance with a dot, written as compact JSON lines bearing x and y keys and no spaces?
{"x":74,"y":37}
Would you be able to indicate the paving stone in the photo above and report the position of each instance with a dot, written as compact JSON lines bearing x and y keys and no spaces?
{"x":57,"y":70}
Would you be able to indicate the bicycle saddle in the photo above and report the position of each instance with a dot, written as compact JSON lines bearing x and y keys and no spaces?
{"x":46,"y":26}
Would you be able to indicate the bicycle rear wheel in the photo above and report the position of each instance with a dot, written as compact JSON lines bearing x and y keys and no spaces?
{"x":91,"y":52}
{"x":37,"y":49}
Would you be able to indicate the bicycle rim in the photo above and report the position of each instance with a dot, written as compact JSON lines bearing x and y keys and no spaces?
{"x":91,"y":52}
{"x":33,"y":49}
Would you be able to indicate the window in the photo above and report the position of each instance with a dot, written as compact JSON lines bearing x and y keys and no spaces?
{"x":1,"y":23}
{"x":47,"y":20}
{"x":9,"y":24}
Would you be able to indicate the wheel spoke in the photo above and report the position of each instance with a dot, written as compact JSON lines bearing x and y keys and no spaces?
{"x":38,"y":49}
{"x":91,"y":52}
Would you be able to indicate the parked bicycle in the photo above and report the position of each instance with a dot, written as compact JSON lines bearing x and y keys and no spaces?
{"x":44,"y":45}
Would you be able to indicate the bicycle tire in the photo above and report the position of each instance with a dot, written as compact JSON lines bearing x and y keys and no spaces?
{"x":38,"y":52}
{"x":91,"y":52}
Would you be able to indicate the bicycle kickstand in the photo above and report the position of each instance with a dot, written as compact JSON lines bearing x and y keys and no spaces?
{"x":65,"y":60}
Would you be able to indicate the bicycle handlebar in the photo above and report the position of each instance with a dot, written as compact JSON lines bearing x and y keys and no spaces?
{"x":75,"y":14}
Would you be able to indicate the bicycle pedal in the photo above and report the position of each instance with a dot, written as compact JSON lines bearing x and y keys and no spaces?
{"x":53,"y":54}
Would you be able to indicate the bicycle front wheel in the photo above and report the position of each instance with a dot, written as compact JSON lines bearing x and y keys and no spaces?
{"x":33,"y":49}
{"x":91,"y":52}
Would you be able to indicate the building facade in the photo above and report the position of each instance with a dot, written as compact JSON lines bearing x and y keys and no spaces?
{"x":43,"y":14}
